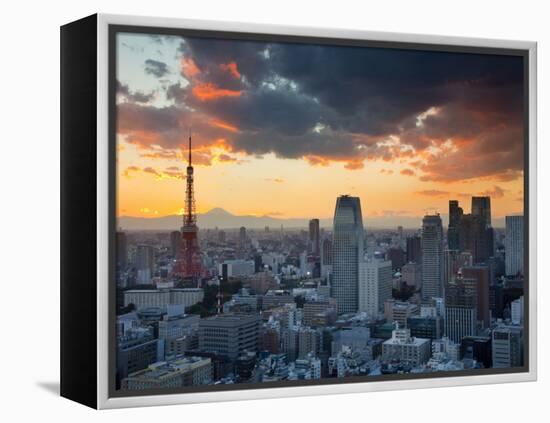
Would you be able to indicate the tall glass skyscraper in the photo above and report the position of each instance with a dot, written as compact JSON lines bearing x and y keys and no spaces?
{"x":514,"y":245}
{"x":432,"y":257}
{"x":347,"y":253}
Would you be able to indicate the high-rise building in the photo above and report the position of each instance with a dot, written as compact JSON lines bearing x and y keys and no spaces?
{"x":514,"y":245}
{"x":455,"y":214}
{"x":347,"y":253}
{"x":121,"y":250}
{"x":461,"y":309}
{"x":375,"y":285}
{"x":314,"y":241}
{"x":430,"y":327}
{"x":476,"y":237}
{"x":477,"y":348}
{"x":145,"y":264}
{"x":397,"y":257}
{"x":241,"y":243}
{"x":229,"y":334}
{"x":175,"y":243}
{"x":414,"y":249}
{"x":432,"y":257}
{"x":480,"y":274}
{"x":507,"y":346}
{"x":516,"y":311}
{"x":411,"y":275}
{"x":326,"y":256}
{"x":481,"y":206}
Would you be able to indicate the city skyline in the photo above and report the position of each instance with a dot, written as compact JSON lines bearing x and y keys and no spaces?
{"x":461,"y":136}
{"x":263,"y":130}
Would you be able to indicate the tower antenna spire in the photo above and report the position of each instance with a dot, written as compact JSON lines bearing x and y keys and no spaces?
{"x":189,"y":146}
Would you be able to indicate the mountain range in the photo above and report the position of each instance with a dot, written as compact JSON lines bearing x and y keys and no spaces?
{"x":222,"y":219}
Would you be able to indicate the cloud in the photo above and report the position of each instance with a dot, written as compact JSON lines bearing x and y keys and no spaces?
{"x":276,"y":180}
{"x":209,"y":92}
{"x":445,"y":116}
{"x":134,"y":96}
{"x":496,"y":192}
{"x":434,"y":193}
{"x":169,"y":173}
{"x":156,"y":68}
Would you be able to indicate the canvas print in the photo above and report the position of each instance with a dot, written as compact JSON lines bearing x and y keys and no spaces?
{"x":302,"y":212}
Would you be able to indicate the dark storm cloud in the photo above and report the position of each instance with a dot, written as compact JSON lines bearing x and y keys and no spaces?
{"x":344,"y":103}
{"x":133,"y":96}
{"x":156,"y":68}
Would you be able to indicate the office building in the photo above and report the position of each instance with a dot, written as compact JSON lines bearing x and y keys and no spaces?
{"x":481,"y":206}
{"x":477,"y":348}
{"x":461,"y":309}
{"x":397,"y":257}
{"x":429,"y":327}
{"x":455,"y":214}
{"x":317,"y":312}
{"x":399,"y":311}
{"x":136,"y":349}
{"x":480,"y":274}
{"x":514,"y":245}
{"x":145,"y":264}
{"x":236,"y":268}
{"x":121,"y":250}
{"x":185,"y":371}
{"x":405,"y":348}
{"x":229,"y":334}
{"x":347,"y":253}
{"x":414,"y":249}
{"x":161,"y":298}
{"x":411,"y":275}
{"x":507,"y":346}
{"x":314,"y":240}
{"x":516,"y":311}
{"x":175,"y":243}
{"x":432,"y":257}
{"x":375,"y":285}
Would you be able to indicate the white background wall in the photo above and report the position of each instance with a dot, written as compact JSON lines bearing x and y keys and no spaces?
{"x":29,"y":209}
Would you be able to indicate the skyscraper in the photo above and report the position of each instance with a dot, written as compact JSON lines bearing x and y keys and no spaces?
{"x":480,"y":274}
{"x":507,"y":346}
{"x":314,"y":236}
{"x":432,"y":257}
{"x":414,"y":249}
{"x":347,"y":253}
{"x":375,"y":285}
{"x":455,"y":214}
{"x":461,"y":309}
{"x":514,"y":245}
{"x":241,"y":243}
{"x":175,"y":243}
{"x":121,"y":250}
{"x":145,"y":264}
{"x":481,"y":206}
{"x":326,"y":257}
{"x":476,"y":237}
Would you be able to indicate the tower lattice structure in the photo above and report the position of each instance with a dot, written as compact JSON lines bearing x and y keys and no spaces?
{"x":189,"y":261}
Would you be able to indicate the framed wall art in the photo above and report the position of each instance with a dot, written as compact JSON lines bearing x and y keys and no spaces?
{"x":253,"y":211}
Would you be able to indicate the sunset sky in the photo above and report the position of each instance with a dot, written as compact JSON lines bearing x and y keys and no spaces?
{"x":283,"y":129}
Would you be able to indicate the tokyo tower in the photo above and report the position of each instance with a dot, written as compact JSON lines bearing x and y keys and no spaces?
{"x":189,"y":262}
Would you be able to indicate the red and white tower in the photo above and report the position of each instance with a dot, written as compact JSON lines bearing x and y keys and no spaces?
{"x":189,"y":262}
